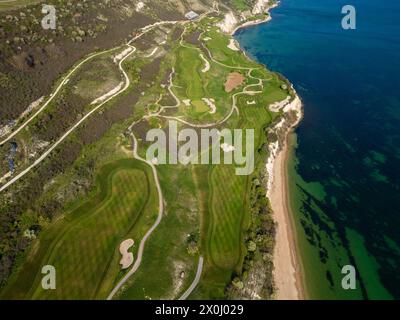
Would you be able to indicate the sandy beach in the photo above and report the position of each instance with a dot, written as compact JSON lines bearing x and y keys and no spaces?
{"x":287,"y":269}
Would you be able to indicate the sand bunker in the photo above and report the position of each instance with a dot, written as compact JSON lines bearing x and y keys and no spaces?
{"x":127,"y":257}
{"x":235,"y":80}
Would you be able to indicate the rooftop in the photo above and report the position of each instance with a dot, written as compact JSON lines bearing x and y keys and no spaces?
{"x":191,"y":15}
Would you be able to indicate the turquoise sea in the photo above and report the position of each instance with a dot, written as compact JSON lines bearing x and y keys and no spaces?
{"x":345,"y":168}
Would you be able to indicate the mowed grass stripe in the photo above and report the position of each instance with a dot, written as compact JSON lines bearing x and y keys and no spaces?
{"x":83,"y":244}
{"x":88,"y":257}
{"x":188,"y":66}
{"x":227,"y":205}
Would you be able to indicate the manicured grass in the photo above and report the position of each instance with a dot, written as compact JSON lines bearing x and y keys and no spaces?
{"x":193,"y":84}
{"x":228,"y":206}
{"x":226,"y":211}
{"x":224,"y":197}
{"x":219,"y":47}
{"x":188,"y":67}
{"x":209,"y":200}
{"x":83,"y":245}
{"x":166,"y":255}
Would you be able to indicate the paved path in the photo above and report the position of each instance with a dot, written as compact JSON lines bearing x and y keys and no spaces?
{"x":53,"y":95}
{"x":151,"y":230}
{"x":196,"y":280}
{"x":135,"y":143}
{"x":65,"y":81}
{"x":66,"y":134}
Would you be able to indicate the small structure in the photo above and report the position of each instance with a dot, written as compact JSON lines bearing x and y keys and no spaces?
{"x":191,"y":15}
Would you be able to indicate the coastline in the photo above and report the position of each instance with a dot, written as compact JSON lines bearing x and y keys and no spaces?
{"x":231,"y":23}
{"x":251,"y":24}
{"x":287,"y":268}
{"x":256,"y":22}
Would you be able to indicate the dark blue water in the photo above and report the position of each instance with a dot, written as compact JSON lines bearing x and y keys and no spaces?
{"x":348,"y":153}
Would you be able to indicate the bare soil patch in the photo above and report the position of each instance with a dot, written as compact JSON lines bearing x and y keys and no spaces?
{"x":235,"y":80}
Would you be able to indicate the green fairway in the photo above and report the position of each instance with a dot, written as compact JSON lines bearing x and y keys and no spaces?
{"x":191,"y":83}
{"x":167,"y":267}
{"x":228,"y":207}
{"x":188,"y":69}
{"x":224,"y":197}
{"x":83,"y":246}
{"x":218,"y":44}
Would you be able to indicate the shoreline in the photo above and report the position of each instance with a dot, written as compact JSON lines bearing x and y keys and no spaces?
{"x":286,"y":260}
{"x":251,"y":24}
{"x":231,"y":25}
{"x":287,"y":267}
{"x":248,"y":24}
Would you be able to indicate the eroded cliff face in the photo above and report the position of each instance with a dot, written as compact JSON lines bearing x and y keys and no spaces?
{"x":292,"y":115}
{"x":258,"y":12}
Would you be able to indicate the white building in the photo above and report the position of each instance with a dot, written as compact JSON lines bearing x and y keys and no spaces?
{"x":191,"y":15}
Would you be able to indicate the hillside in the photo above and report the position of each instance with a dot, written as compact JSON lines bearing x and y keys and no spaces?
{"x":74,"y":103}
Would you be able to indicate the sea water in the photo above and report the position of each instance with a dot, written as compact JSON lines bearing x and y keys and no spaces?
{"x":345,"y":168}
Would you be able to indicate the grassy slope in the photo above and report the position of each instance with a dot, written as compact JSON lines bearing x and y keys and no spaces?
{"x":213,"y":191}
{"x":83,"y":247}
{"x":226,"y":211}
{"x":166,"y":252}
{"x":227,"y":214}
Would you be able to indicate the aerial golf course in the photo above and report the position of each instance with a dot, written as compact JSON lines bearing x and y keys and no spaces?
{"x":207,"y":208}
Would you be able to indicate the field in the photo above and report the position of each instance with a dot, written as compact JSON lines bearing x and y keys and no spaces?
{"x":207,"y":209}
{"x":83,"y":246}
{"x":167,"y":259}
{"x":193,"y":84}
{"x":228,"y":210}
